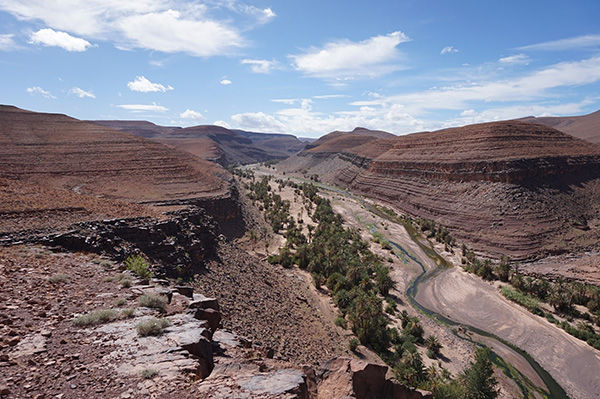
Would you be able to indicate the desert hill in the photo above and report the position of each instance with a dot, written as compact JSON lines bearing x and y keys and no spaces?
{"x":585,"y":127}
{"x":216,"y":143}
{"x":52,"y":164}
{"x":509,"y":187}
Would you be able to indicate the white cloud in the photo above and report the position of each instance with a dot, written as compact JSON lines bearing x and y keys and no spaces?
{"x":535,"y":85}
{"x":328,"y":96}
{"x":81,"y":93}
{"x":142,"y":107}
{"x":190,"y":114}
{"x":258,"y":121}
{"x":51,"y":38}
{"x":448,"y":50}
{"x":7,"y":43}
{"x":143,"y":85}
{"x":375,"y":56}
{"x":38,"y":90}
{"x":261,"y":66}
{"x":168,"y":26}
{"x":226,"y":82}
{"x":515,"y":59}
{"x":565,"y":44}
{"x":169,"y":32}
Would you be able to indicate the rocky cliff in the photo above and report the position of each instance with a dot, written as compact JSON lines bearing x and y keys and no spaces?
{"x":504,"y":188}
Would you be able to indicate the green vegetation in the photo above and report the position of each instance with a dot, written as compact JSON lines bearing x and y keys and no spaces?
{"x":148,"y":374}
{"x":120,"y":302}
{"x":153,"y":301}
{"x":100,"y":316}
{"x":358,"y":283}
{"x":122,"y":278}
{"x":139,"y":265}
{"x":152,"y":327}
{"x":531,"y":292}
{"x":478,"y":379}
{"x":58,"y":278}
{"x":531,"y":303}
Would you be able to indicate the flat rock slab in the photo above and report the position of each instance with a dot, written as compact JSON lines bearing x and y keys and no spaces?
{"x":169,"y":354}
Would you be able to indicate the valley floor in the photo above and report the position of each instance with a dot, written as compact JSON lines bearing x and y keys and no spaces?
{"x":467,"y":299}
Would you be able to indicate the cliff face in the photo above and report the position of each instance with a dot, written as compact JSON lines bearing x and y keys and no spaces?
{"x":504,"y":188}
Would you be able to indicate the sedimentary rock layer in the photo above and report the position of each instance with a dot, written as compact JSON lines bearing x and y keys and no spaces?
{"x":505,"y":188}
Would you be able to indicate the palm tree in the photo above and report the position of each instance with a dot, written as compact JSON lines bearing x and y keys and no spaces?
{"x":433,"y":344}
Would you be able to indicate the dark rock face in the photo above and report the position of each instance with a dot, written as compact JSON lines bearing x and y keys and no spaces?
{"x":178,"y":245}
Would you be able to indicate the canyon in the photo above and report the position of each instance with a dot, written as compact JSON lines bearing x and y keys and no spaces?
{"x":79,"y":198}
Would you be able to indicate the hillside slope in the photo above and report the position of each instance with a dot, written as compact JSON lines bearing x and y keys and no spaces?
{"x":216,"y":143}
{"x":511,"y":188}
{"x":72,"y":170}
{"x":585,"y":127}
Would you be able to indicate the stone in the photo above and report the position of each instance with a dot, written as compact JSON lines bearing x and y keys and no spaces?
{"x":201,"y":302}
{"x":344,"y":377}
{"x":185,"y":290}
{"x":4,"y":390}
{"x":279,"y":382}
{"x":213,"y":317}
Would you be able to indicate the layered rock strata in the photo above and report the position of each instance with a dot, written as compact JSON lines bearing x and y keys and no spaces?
{"x":506,"y":188}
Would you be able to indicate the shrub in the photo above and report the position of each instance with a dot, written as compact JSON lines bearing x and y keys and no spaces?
{"x":390,"y":308}
{"x":120,"y":302}
{"x":124,"y":279}
{"x":99,"y":316}
{"x":525,"y":300}
{"x":154,"y":301}
{"x":340,"y":322}
{"x":353,"y":344}
{"x":153,"y":326}
{"x":127,"y":313}
{"x":58,"y":278}
{"x":148,"y":374}
{"x":138,"y":265}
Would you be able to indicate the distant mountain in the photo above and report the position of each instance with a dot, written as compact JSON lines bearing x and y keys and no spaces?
{"x":71,"y":170}
{"x":216,"y":143}
{"x":505,"y":188}
{"x":585,"y":127}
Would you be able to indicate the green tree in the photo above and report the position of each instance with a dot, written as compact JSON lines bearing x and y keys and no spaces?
{"x":478,"y":379}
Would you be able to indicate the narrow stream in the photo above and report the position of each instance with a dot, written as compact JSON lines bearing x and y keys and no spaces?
{"x":528,"y":389}
{"x":554,"y":390}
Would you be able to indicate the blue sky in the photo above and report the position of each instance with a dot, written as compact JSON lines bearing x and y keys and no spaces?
{"x":302,"y":67}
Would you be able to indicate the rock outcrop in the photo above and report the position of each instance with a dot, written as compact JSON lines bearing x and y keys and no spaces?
{"x":178,"y":246}
{"x":505,"y":188}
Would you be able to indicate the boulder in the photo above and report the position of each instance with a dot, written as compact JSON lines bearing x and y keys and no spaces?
{"x":351,"y":378}
{"x":212,"y":316}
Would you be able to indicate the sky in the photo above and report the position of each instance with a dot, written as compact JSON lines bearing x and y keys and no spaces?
{"x":302,"y":67}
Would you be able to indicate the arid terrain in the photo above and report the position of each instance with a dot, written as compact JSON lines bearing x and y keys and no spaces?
{"x":505,"y":188}
{"x":126,"y":222}
{"x":215,"y":143}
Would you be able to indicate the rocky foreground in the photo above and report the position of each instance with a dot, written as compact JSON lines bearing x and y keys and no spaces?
{"x":47,"y":352}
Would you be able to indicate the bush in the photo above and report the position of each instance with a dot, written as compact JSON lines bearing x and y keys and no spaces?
{"x":153,"y":327}
{"x":99,"y":316}
{"x":153,"y":301}
{"x":148,"y":374}
{"x":124,"y":279}
{"x":353,"y":344}
{"x":58,"y":278}
{"x":120,"y":302}
{"x":138,"y":265}
{"x":525,"y":300}
{"x":340,"y":322}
